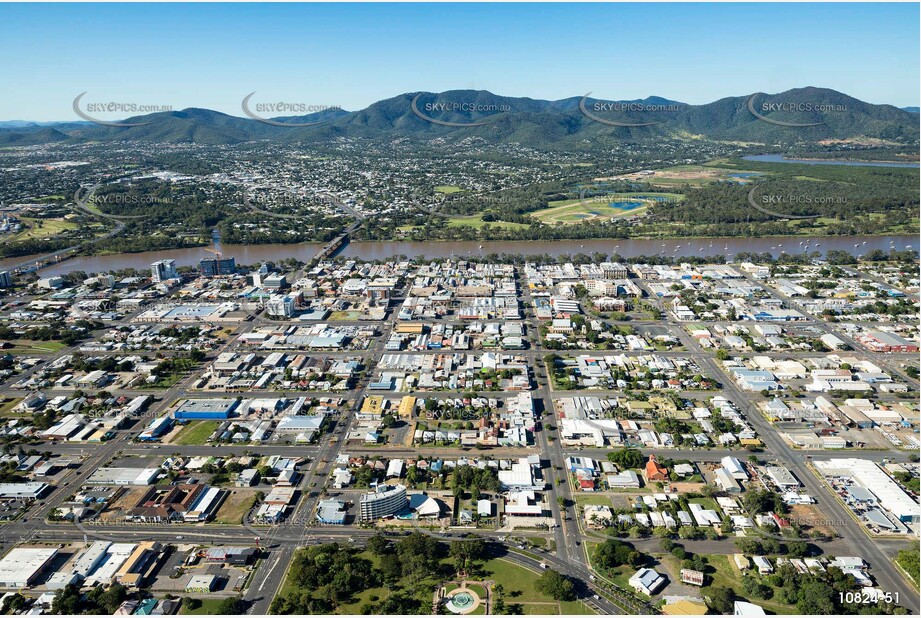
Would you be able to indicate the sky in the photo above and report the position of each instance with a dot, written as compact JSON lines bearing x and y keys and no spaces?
{"x":351,"y":55}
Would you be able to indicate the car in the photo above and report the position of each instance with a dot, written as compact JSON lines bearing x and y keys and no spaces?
{"x":543,"y":565}
{"x":596,"y":597}
{"x":591,"y":577}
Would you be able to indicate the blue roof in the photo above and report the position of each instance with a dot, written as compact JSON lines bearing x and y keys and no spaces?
{"x":145,"y":607}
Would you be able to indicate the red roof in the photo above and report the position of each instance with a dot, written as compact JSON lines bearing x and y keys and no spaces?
{"x":655,"y":472}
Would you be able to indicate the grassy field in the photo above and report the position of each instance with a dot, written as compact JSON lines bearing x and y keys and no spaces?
{"x":358,"y":600}
{"x":476,"y":222}
{"x":575,"y":608}
{"x":42,"y":228}
{"x":8,"y":403}
{"x":235,"y":507}
{"x":690,"y":175}
{"x":447,"y":189}
{"x":598,"y":207}
{"x":27,"y":346}
{"x":518,"y":583}
{"x":196,"y":433}
{"x":208,"y":606}
{"x":590,"y":499}
{"x":344,"y":315}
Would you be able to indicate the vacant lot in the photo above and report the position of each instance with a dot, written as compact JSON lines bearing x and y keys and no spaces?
{"x":477,"y":222}
{"x":208,"y":606}
{"x":196,"y":433}
{"x":235,"y":506}
{"x":28,"y":346}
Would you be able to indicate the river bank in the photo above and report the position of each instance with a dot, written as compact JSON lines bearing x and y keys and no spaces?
{"x":381,"y":250}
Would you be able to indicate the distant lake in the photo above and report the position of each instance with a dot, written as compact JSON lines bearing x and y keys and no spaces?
{"x":625,"y":205}
{"x":776,"y":158}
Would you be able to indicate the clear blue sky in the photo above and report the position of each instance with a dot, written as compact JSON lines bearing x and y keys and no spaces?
{"x":351,"y":55}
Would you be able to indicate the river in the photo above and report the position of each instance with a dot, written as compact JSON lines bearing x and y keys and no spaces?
{"x":776,"y":158}
{"x":255,"y":254}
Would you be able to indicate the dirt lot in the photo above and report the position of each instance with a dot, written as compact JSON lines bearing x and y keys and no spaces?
{"x":115,"y":510}
{"x":235,"y":506}
{"x":810,"y":518}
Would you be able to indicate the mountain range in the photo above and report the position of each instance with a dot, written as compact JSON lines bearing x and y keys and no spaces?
{"x":569,"y":122}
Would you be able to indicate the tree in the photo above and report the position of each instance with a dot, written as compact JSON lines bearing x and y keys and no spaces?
{"x":753,"y":587}
{"x":627,"y":458}
{"x":815,"y":597}
{"x":232,"y":606}
{"x":419,"y":553}
{"x":13,"y":604}
{"x":614,"y":553}
{"x":722,"y":599}
{"x":465,"y":552}
{"x":557,"y":586}
{"x":190,"y":603}
{"x":379,"y":545}
{"x":390,"y":567}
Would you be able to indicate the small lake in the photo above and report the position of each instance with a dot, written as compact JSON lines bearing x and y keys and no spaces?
{"x":776,"y":158}
{"x":625,"y":205}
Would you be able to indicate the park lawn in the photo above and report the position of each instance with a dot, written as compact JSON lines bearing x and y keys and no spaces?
{"x":536,"y":609}
{"x":43,"y":228}
{"x":28,"y":346}
{"x":447,"y":189}
{"x":476,"y":222}
{"x":361,"y":598}
{"x":576,"y":608}
{"x":208,"y":606}
{"x":235,"y":507}
{"x":620,"y":575}
{"x":515,"y":578}
{"x":196,"y":433}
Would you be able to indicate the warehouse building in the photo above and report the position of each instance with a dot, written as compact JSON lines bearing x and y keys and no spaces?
{"x":237,"y":556}
{"x":156,"y":429}
{"x":23,"y":565}
{"x":212,"y":409}
{"x":123,"y":476}
{"x":870,"y":476}
{"x":22,"y":491}
{"x":140,"y":565}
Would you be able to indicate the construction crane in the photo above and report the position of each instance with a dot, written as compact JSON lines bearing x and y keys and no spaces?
{"x":215,"y":252}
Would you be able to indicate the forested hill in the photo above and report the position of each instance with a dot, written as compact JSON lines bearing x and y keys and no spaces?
{"x":794,"y":117}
